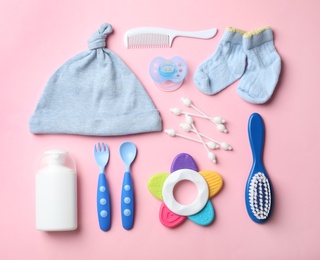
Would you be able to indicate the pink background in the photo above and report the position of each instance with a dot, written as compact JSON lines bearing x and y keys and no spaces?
{"x":38,"y":36}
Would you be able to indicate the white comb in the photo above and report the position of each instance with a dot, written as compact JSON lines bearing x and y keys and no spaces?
{"x":151,"y":37}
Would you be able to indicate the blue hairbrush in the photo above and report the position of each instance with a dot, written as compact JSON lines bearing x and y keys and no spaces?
{"x":259,"y":195}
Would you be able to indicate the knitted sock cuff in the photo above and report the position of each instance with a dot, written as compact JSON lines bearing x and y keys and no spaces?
{"x":233,"y":35}
{"x":257,"y":37}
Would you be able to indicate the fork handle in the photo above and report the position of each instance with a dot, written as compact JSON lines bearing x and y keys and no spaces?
{"x":103,"y":203}
{"x":127,"y":202}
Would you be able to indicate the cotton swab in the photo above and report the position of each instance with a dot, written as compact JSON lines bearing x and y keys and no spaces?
{"x":218,"y":120}
{"x":206,"y":141}
{"x":173,"y":133}
{"x":223,"y":145}
{"x":211,"y":155}
{"x":178,"y":112}
{"x":188,"y":103}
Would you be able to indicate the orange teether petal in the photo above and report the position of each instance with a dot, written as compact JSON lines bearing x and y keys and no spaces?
{"x":214,"y":181}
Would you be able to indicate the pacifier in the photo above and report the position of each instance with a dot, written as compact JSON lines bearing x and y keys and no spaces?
{"x":168,"y":75}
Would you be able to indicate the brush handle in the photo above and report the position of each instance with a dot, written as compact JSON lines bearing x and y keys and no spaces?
{"x":256,"y":137}
{"x":127,"y":202}
{"x":103,"y":203}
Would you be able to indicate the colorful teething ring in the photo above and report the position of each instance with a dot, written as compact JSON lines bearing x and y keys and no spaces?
{"x":192,"y":208}
{"x":201,"y":210}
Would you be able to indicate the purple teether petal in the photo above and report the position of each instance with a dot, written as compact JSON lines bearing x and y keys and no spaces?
{"x":183,"y":161}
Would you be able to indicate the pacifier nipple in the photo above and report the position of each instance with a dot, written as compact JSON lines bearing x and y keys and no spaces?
{"x":98,"y":39}
{"x":168,"y":75}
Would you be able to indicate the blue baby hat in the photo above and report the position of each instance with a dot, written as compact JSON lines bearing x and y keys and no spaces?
{"x":95,"y":93}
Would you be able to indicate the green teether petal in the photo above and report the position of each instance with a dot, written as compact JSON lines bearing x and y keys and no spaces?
{"x":155,"y":184}
{"x":205,"y":216}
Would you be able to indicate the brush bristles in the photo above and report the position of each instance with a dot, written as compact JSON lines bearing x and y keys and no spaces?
{"x":148,"y":40}
{"x":260,"y":196}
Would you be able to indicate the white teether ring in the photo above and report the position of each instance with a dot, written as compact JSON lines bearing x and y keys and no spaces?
{"x":201,"y":199}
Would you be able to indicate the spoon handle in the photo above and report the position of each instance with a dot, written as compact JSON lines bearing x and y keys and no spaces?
{"x":127,"y":202}
{"x":256,"y":137}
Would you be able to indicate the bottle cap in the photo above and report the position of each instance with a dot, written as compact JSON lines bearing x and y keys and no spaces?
{"x":57,"y":157}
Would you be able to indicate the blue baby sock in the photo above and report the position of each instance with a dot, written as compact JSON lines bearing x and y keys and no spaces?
{"x":225,"y":66}
{"x":264,"y":66}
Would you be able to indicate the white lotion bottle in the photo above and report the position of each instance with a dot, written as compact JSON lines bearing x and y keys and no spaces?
{"x":56,"y":192}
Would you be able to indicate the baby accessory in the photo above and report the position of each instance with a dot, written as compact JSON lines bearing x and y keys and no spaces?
{"x":168,"y":75}
{"x":218,"y":121}
{"x":95,"y":93}
{"x":228,"y":64}
{"x":128,"y":153}
{"x":56,"y":192}
{"x":200,"y":211}
{"x":190,"y":127}
{"x":259,"y":195}
{"x":101,"y":155}
{"x":217,"y":144}
{"x":190,"y":122}
{"x":225,"y":66}
{"x":264,"y":66}
{"x":173,"y":133}
{"x":150,"y":37}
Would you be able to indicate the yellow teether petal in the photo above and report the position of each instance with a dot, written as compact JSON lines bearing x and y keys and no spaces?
{"x":214,"y":181}
{"x":155,"y":184}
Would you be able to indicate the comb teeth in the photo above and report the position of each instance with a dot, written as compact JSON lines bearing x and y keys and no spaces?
{"x":148,"y":40}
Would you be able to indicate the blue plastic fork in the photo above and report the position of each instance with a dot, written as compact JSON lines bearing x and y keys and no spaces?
{"x":101,"y":155}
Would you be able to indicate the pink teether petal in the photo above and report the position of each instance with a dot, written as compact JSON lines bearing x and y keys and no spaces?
{"x":168,"y":218}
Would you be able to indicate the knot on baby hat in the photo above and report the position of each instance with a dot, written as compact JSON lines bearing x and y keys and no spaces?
{"x":98,"y":39}
{"x":95,"y":93}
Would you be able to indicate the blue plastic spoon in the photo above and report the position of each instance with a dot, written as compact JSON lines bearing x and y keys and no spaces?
{"x":128,"y":153}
